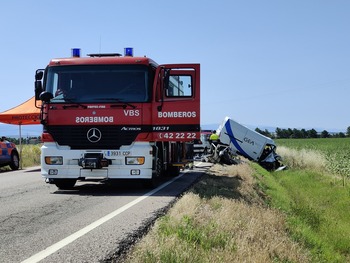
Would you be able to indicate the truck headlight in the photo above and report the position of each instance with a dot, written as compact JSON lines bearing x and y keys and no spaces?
{"x":134,"y":160}
{"x":54,"y":160}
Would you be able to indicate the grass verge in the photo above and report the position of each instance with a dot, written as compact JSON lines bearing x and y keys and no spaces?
{"x":30,"y":155}
{"x":316,"y":208}
{"x":221,"y":219}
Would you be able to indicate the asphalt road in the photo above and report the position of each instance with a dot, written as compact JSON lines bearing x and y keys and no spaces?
{"x":92,"y":223}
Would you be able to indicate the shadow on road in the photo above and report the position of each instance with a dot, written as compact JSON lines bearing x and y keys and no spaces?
{"x":33,"y":170}
{"x":135,"y":187}
{"x":105,"y":188}
{"x":113,"y":188}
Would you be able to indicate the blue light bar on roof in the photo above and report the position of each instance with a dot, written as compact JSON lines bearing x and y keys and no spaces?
{"x":76,"y":52}
{"x":128,"y":52}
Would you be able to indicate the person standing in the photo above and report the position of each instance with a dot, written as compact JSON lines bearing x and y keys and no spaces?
{"x":214,"y":140}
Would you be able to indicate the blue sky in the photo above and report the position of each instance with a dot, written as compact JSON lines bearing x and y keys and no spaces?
{"x":264,"y":63}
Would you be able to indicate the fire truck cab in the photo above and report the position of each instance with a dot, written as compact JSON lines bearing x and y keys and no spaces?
{"x":108,"y":116}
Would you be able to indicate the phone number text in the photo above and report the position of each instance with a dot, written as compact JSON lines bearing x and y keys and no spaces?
{"x":177,"y":135}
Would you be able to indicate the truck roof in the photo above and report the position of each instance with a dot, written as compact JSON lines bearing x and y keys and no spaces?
{"x":102,"y":60}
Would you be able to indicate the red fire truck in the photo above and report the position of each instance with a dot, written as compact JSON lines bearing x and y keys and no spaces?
{"x":108,"y":116}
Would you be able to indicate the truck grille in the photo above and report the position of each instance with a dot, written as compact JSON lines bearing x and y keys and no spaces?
{"x":112,"y":137}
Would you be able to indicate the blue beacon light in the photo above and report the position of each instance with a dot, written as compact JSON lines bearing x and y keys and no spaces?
{"x":128,"y":52}
{"x":76,"y":52}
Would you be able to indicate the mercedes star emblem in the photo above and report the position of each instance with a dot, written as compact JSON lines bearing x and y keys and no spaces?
{"x":94,"y":135}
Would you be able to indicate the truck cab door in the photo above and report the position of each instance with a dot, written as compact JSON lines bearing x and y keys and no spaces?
{"x":176,"y":104}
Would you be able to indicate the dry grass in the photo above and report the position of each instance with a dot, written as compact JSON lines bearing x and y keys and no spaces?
{"x":209,"y":224}
{"x":30,"y":155}
{"x":303,"y":158}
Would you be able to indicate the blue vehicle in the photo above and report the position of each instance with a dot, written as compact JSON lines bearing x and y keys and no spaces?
{"x":9,"y":154}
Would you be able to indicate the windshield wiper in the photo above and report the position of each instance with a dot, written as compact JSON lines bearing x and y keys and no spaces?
{"x":116,"y":100}
{"x":76,"y":104}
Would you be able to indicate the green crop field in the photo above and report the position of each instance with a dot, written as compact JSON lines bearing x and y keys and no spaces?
{"x":322,"y":144}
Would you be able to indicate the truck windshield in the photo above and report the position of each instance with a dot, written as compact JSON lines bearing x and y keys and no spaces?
{"x":95,"y":83}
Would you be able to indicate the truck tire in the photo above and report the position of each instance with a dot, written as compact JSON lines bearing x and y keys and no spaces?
{"x":64,"y":184}
{"x":14,"y":161}
{"x":156,"y":174}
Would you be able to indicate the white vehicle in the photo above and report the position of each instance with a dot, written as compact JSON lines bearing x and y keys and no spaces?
{"x":249,"y":143}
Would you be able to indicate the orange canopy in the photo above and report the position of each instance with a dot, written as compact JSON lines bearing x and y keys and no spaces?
{"x":24,"y":114}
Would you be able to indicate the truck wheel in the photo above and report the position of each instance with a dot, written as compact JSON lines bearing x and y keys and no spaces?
{"x":14,"y":161}
{"x":156,"y":174}
{"x":65,"y":184}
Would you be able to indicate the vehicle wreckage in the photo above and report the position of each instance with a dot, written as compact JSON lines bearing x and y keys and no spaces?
{"x":236,"y":140}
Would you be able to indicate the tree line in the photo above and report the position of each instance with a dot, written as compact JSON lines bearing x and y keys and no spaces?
{"x":302,"y":133}
{"x":24,"y":140}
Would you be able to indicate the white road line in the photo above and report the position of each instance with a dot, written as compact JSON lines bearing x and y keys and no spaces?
{"x":64,"y":242}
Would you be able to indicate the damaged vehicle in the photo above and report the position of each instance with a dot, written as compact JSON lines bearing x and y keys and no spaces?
{"x":249,"y":144}
{"x":222,"y":153}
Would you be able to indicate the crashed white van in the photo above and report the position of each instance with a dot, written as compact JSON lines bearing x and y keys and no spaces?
{"x":249,"y":143}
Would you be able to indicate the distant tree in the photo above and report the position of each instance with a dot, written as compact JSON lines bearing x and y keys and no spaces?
{"x":339,"y":135}
{"x":284,"y":133}
{"x":348,"y":131}
{"x":278,"y":132}
{"x":266,"y":132}
{"x":297,"y":134}
{"x":312,"y":133}
{"x":325,"y":134}
{"x":304,"y":133}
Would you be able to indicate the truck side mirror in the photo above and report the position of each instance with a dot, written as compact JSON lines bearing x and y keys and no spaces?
{"x":39,"y":74}
{"x":38,"y":86}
